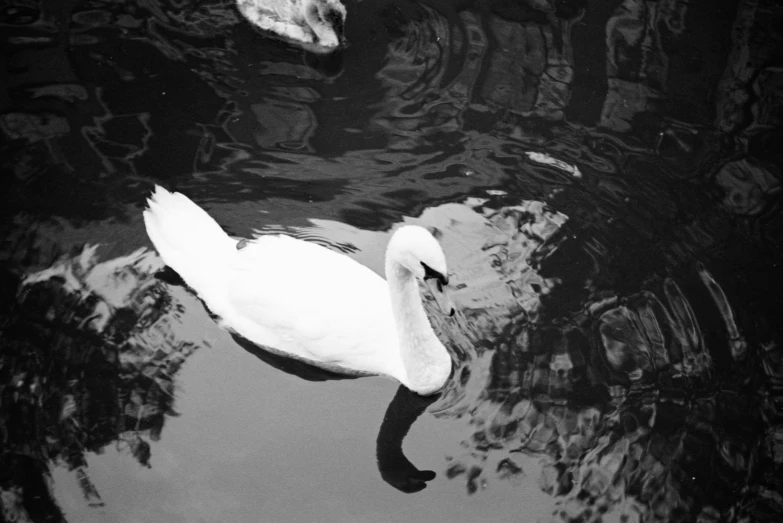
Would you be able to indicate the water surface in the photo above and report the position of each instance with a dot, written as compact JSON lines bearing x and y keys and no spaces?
{"x":604,"y":177}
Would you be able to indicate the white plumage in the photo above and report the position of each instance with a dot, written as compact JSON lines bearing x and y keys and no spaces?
{"x":306,"y":301}
{"x":318,"y":24}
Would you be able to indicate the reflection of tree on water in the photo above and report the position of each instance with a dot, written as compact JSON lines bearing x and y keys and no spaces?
{"x":89,"y":354}
{"x":640,"y":406}
{"x":624,"y":413}
{"x":445,"y":67}
{"x":652,"y":68}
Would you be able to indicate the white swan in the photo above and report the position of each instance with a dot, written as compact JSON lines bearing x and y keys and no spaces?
{"x":316,"y":23}
{"x":308,"y":302}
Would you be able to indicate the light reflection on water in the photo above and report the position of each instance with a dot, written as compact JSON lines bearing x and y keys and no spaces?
{"x":616,"y":352}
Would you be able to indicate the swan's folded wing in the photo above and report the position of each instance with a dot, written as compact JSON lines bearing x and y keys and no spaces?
{"x":309,"y":301}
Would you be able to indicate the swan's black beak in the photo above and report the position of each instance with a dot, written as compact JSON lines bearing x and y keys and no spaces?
{"x":437,"y":283}
{"x":430,"y":273}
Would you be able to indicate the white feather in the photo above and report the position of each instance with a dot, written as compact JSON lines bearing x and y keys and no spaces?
{"x":316,"y":22}
{"x":306,"y":301}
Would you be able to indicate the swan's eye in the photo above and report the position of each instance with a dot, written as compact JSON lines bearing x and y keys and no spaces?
{"x":429,"y":272}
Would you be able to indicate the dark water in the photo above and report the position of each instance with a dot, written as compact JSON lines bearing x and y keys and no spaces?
{"x":606,"y":179}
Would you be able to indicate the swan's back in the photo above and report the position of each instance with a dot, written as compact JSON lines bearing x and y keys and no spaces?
{"x":289,"y":295}
{"x":309,"y":301}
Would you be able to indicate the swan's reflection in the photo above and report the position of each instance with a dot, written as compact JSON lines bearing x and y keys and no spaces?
{"x":290,"y":365}
{"x":395,"y":468}
{"x":403,"y":411}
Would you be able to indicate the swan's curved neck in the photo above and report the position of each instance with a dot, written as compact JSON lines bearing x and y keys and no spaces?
{"x":426,"y":361}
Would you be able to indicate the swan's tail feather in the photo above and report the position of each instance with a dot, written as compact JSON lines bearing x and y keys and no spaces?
{"x":187,"y":238}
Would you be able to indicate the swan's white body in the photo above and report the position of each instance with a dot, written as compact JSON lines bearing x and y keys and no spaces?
{"x":316,"y":23}
{"x":306,"y":301}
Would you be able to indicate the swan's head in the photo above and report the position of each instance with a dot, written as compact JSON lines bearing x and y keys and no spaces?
{"x":416,"y":249}
{"x":326,"y":20}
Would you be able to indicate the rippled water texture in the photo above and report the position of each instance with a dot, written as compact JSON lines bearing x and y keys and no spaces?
{"x":604,"y":177}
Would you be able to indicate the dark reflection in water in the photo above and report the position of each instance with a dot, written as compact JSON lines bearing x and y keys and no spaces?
{"x":292,"y":366}
{"x":404,"y":409}
{"x":605,"y":178}
{"x":395,"y":468}
{"x":89,"y":354}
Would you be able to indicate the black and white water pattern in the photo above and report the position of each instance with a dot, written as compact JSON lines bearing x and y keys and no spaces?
{"x":604,"y":178}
